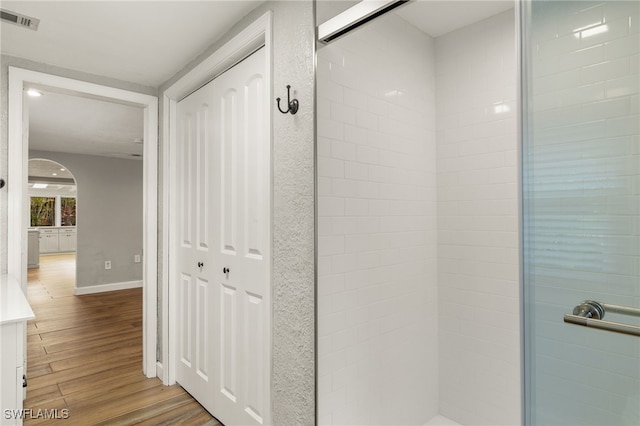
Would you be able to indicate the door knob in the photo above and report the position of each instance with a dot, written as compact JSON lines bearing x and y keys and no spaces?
{"x":200,"y":264}
{"x":226,"y":270}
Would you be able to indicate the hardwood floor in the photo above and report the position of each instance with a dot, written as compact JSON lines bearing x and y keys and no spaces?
{"x":84,"y":358}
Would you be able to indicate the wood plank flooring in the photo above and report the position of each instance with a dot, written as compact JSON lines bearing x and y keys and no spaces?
{"x":84,"y":355}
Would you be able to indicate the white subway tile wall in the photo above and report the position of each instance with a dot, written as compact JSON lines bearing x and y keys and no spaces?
{"x":377,"y":299}
{"x":583,"y":179}
{"x":477,"y":193}
{"x":414,"y":219}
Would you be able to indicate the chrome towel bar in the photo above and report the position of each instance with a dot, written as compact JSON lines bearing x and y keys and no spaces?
{"x":590,"y":313}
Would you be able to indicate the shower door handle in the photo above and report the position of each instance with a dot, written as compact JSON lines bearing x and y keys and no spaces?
{"x":590,"y":313}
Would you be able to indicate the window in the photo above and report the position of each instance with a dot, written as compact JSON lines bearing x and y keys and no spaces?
{"x":53,"y":211}
{"x":67,"y":211}
{"x":43,"y":211}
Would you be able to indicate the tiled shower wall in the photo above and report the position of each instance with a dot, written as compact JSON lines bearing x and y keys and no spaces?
{"x":390,"y":258}
{"x":377,"y":302}
{"x":478,"y":272}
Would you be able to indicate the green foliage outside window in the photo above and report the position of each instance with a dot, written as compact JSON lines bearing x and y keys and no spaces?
{"x":43,"y":211}
{"x":67,"y":211}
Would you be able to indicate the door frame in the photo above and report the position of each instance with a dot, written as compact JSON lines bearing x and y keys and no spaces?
{"x":18,"y":157}
{"x":256,"y":35}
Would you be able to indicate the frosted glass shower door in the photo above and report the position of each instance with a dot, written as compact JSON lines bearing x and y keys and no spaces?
{"x":581,"y":193}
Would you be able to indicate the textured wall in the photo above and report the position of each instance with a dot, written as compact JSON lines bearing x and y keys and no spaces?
{"x":293,"y":383}
{"x":377,"y":280}
{"x":5,"y":62}
{"x":109,"y":218}
{"x":478,"y":264}
{"x":293,"y":387}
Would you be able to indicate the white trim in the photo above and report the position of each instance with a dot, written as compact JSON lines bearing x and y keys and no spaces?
{"x":257,"y":34}
{"x":103,"y":288}
{"x":167,"y":187}
{"x":232,"y":52}
{"x":18,"y":156}
{"x":150,"y":239}
{"x":159,"y":369}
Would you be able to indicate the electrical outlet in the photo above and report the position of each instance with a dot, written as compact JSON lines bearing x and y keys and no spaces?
{"x":107,"y":264}
{"x":136,"y":258}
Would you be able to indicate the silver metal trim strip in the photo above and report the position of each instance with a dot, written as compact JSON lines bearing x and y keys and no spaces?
{"x":623,"y":310}
{"x":602,"y":324}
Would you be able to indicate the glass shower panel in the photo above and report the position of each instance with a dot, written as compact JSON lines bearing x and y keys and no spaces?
{"x":581,"y":193}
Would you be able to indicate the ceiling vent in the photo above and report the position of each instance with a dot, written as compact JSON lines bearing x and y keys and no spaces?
{"x":19,"y":19}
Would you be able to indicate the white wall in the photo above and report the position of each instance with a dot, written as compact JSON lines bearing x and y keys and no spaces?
{"x":478,"y":272}
{"x":109,"y":216}
{"x":377,"y":313}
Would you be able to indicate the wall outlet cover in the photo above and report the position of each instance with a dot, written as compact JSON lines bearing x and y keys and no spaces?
{"x":107,"y":264}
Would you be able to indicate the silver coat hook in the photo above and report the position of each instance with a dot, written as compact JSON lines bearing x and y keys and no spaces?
{"x":293,"y":104}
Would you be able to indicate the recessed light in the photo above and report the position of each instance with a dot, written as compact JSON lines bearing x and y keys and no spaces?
{"x":34,"y":93}
{"x":62,"y":170}
{"x":54,"y":174}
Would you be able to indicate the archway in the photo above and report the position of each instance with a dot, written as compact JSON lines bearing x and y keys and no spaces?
{"x":52,"y":192}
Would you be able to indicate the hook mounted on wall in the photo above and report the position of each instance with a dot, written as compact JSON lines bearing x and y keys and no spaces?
{"x":293,"y":104}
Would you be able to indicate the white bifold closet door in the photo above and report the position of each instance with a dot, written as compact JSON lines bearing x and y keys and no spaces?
{"x":224,"y":307}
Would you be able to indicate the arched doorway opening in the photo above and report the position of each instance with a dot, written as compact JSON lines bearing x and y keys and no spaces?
{"x":52,"y":191}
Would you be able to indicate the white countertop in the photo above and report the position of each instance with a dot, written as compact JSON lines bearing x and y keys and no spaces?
{"x":14,"y":306}
{"x":40,"y":228}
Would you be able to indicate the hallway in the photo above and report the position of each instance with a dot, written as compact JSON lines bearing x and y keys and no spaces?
{"x":85,"y":356}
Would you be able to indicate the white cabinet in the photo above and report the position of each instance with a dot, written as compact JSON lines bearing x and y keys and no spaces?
{"x":58,"y":240}
{"x":48,"y":240}
{"x":14,"y":314}
{"x":33,"y":255}
{"x":67,"y":240}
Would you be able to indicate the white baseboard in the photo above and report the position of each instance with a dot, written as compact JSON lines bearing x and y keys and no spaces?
{"x":160,"y":371}
{"x":107,"y":287}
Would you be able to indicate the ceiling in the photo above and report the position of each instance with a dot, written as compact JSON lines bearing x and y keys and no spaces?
{"x":47,"y":169}
{"x":55,"y":176}
{"x":66,"y":123}
{"x":147,"y":42}
{"x":144,"y":42}
{"x":437,"y":18}
{"x":433,"y":17}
